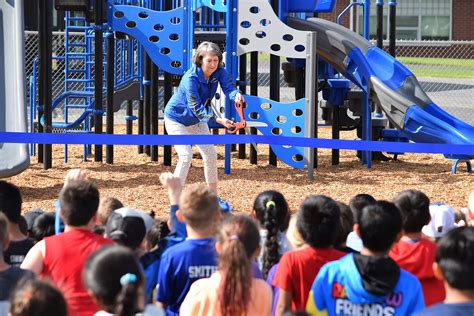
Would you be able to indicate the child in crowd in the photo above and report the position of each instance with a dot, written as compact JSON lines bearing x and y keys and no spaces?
{"x":413,"y":252}
{"x":347,"y":225}
{"x":9,"y":275}
{"x":442,"y":221}
{"x":43,"y":226}
{"x":357,"y":203}
{"x":106,"y":207}
{"x":128,"y":227}
{"x":232,"y":290}
{"x":196,"y":257}
{"x":30,"y":218}
{"x":271,"y":210}
{"x":115,"y":279}
{"x":61,"y":257}
{"x":296,"y":242}
{"x":10,"y":205}
{"x":454,"y":266}
{"x":155,"y":244}
{"x":37,"y":298}
{"x":369,"y":283}
{"x":318,"y":223}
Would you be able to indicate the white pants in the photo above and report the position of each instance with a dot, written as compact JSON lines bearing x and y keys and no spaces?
{"x":185,"y":153}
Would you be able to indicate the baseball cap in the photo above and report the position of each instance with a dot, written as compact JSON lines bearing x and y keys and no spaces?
{"x":442,"y":220}
{"x":128,"y":226}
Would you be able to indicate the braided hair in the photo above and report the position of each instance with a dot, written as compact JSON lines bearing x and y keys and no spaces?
{"x":272,"y":212}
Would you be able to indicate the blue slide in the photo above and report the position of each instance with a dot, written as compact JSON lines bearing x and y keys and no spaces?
{"x":389,"y":83}
{"x":14,"y":158}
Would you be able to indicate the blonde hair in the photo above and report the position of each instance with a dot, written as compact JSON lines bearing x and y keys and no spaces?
{"x":106,"y":207}
{"x":293,"y":235}
{"x":199,"y":204}
{"x":207,"y":48}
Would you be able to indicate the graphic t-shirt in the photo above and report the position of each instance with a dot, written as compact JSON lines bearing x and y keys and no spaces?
{"x":180,"y":266}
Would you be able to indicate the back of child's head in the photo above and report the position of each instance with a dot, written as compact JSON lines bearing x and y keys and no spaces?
{"x":43,"y":226}
{"x":415,"y":209}
{"x":159,"y":230}
{"x":10,"y":201}
{"x":455,"y":257}
{"x":106,"y":207}
{"x":4,"y":234}
{"x":114,"y":276}
{"x":199,"y":205}
{"x":239,"y":240}
{"x":358,"y":202}
{"x":347,"y":223}
{"x":379,"y":225}
{"x":318,"y":221}
{"x":34,"y":297}
{"x":79,"y":201}
{"x":271,"y":210}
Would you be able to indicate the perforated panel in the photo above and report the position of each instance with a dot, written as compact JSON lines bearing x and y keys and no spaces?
{"x":161,"y":33}
{"x":216,"y":5}
{"x":259,"y":29}
{"x":285,"y":119}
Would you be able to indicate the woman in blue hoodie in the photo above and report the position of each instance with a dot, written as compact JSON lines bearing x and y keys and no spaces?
{"x":190,"y":109}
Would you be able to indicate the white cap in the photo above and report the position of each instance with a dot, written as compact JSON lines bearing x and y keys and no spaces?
{"x":442,"y":220}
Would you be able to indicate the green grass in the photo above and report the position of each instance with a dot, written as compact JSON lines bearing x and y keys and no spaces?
{"x":440,"y":67}
{"x":443,"y":73}
{"x":437,"y":61}
{"x":420,"y":66}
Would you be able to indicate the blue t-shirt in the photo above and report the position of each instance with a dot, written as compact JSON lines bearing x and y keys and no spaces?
{"x":180,"y":266}
{"x":338,"y":290}
{"x":459,"y":309}
{"x":191,"y":103}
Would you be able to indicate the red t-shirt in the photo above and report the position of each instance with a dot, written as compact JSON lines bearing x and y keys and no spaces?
{"x":298,"y":269}
{"x":417,"y":258}
{"x":65,"y":256}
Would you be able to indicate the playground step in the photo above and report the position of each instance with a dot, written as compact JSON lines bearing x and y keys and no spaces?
{"x":77,"y":44}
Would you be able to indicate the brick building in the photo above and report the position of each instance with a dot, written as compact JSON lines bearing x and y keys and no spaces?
{"x":419,"y":19}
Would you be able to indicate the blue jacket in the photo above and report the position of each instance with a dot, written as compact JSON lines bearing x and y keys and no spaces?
{"x":339,"y":290}
{"x":191,"y":103}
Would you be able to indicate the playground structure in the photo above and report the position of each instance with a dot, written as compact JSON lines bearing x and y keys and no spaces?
{"x":169,"y":45}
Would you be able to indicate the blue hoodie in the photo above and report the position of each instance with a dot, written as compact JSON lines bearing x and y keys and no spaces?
{"x":338,"y":290}
{"x":191,"y":103}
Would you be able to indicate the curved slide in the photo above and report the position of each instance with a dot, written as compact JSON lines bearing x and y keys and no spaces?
{"x":389,"y":83}
{"x":14,"y":158}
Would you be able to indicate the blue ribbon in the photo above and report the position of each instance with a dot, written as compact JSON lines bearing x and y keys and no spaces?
{"x":114,"y":139}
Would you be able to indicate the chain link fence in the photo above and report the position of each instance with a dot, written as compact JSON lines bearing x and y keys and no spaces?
{"x":444,"y":69}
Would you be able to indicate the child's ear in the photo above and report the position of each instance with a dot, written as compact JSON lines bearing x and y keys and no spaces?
{"x":253,"y":214}
{"x":399,"y":236}
{"x":218,"y":247}
{"x":437,"y":271}
{"x":356,"y":229}
{"x":179,"y":216}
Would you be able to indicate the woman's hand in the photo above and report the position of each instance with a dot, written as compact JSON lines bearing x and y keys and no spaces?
{"x":239,"y":98}
{"x":226,"y":122}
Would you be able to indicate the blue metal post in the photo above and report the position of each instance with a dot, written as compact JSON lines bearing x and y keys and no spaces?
{"x":366,"y":112}
{"x":231,"y":64}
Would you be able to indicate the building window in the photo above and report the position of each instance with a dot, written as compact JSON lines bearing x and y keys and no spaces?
{"x":416,"y":20}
